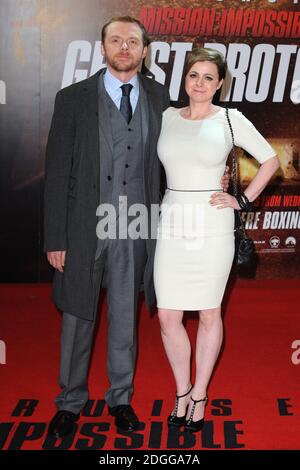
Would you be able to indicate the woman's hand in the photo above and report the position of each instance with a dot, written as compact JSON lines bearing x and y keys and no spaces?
{"x":223,"y":200}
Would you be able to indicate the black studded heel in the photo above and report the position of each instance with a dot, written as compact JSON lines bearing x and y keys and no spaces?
{"x":173,"y":419}
{"x":195,"y":426}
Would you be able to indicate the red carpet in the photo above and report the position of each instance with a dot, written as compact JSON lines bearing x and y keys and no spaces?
{"x":254,"y":393}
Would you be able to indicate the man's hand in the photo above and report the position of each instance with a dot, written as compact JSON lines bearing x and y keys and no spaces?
{"x":57,"y":259}
{"x":225,"y":180}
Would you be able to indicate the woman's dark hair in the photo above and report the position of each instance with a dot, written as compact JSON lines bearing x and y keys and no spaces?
{"x":201,"y":54}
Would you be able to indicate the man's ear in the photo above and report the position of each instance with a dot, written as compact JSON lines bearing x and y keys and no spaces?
{"x":144,"y":52}
{"x":102,"y":50}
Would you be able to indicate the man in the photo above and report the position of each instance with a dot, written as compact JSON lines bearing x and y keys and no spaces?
{"x":102,"y":145}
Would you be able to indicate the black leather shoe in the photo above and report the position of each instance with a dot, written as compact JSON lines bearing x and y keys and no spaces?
{"x":62,"y":423}
{"x":195,"y":426}
{"x":173,"y":418}
{"x":125,"y":418}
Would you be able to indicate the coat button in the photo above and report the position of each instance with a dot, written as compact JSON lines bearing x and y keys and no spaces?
{"x":124,"y":182}
{"x":129,"y":129}
{"x":128,"y":146}
{"x":126,"y":166}
{"x":109,"y":178}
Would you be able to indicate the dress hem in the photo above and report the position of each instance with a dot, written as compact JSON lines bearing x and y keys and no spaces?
{"x":186,"y":309}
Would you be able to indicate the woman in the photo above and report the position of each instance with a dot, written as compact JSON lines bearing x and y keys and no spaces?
{"x":195,"y":245}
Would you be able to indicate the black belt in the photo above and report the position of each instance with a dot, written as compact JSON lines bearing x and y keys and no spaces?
{"x":194,"y":190}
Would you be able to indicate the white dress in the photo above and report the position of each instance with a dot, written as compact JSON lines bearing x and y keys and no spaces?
{"x":195,"y":241}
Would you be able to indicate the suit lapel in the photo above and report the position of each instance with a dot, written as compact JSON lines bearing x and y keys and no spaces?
{"x":97,"y":120}
{"x":89,"y":107}
{"x":152,"y":120}
{"x":105,"y":124}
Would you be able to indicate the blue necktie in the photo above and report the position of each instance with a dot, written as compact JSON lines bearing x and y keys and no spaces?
{"x":125,"y":106}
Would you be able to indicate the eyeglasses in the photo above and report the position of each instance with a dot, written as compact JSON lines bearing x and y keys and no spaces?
{"x":131,"y":43}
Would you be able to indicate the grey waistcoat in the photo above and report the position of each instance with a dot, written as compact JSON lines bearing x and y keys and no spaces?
{"x":122,"y":169}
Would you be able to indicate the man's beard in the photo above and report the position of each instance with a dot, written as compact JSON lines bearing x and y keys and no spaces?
{"x":120,"y":66}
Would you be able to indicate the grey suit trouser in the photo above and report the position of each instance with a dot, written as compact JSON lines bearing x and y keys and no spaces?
{"x":121,"y":265}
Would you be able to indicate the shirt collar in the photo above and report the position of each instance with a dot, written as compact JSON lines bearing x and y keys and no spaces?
{"x":112,"y":84}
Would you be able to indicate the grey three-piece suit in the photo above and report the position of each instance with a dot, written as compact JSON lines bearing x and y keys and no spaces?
{"x":93,"y":156}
